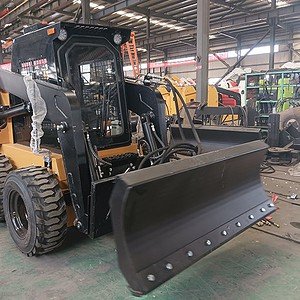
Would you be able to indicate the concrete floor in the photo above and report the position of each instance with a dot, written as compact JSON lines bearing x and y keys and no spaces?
{"x":254,"y":265}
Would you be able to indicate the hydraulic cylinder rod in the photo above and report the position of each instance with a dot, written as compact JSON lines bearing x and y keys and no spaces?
{"x":13,"y":111}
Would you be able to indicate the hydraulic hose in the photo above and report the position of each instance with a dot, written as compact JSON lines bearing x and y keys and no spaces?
{"x":175,"y":91}
{"x":149,"y":155}
{"x":95,"y":154}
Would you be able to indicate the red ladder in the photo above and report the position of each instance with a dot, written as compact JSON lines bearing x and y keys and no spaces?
{"x":130,"y":46}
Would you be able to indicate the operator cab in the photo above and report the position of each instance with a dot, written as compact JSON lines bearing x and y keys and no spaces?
{"x":86,"y":60}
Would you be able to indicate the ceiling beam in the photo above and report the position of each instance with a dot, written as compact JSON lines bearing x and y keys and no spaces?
{"x":115,"y":6}
{"x":61,"y":11}
{"x":143,"y":11}
{"x":21,"y":9}
{"x":231,"y":6}
{"x":227,"y":25}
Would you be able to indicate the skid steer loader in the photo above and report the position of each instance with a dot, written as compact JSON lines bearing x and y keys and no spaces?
{"x":67,"y":158}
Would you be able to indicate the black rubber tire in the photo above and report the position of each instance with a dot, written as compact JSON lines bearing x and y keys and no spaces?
{"x":43,"y":224}
{"x":5,"y":168}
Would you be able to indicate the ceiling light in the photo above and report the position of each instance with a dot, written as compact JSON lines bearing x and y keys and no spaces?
{"x":120,"y":12}
{"x":137,"y":17}
{"x":96,"y":6}
{"x":129,"y":15}
{"x":178,"y":28}
{"x":170,"y":26}
{"x":141,"y":49}
{"x":154,"y":21}
{"x":99,"y":7}
{"x":162,"y":24}
{"x":92,"y":4}
{"x":280,"y":3}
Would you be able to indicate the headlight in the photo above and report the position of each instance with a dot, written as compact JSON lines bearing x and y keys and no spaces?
{"x":117,"y":39}
{"x":63,"y":35}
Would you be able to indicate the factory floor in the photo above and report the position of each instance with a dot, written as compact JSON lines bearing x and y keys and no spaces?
{"x":261,"y":263}
{"x":255,"y":265}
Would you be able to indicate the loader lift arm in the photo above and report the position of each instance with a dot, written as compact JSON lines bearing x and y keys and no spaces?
{"x":55,"y":97}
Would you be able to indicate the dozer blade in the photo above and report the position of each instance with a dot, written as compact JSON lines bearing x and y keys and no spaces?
{"x":167,"y":217}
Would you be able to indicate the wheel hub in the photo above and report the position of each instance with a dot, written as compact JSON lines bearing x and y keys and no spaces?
{"x":18,"y":213}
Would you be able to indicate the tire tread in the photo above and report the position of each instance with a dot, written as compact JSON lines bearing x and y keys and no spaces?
{"x":5,"y":169}
{"x":49,"y":208}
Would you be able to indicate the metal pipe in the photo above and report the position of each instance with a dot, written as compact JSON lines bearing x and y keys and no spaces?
{"x":148,"y":44}
{"x":239,"y":49}
{"x":243,"y":57}
{"x":1,"y":54}
{"x":13,"y":111}
{"x":295,"y":51}
{"x":78,"y":14}
{"x":290,"y":46}
{"x":146,"y":124}
{"x":86,"y":11}
{"x":272,"y":37}
{"x":202,"y":49}
{"x":165,"y":60}
{"x":219,"y":58}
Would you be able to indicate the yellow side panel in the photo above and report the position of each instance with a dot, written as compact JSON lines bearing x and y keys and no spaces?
{"x":212,"y":97}
{"x":6,"y":134}
{"x":188,"y":93}
{"x":168,"y":97}
{"x":175,"y":78}
{"x":4,"y":98}
{"x":21,"y":156}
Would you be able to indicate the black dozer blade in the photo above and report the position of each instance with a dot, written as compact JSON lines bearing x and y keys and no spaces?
{"x":167,"y":217}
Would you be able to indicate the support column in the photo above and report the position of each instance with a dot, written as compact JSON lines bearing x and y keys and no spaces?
{"x":1,"y":54}
{"x":148,"y":44}
{"x":290,"y":46}
{"x":86,"y":11}
{"x":272,"y":37}
{"x":202,"y":49}
{"x":165,"y":60}
{"x":239,"y":49}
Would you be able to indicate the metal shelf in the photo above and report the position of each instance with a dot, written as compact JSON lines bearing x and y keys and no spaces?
{"x":271,"y":86}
